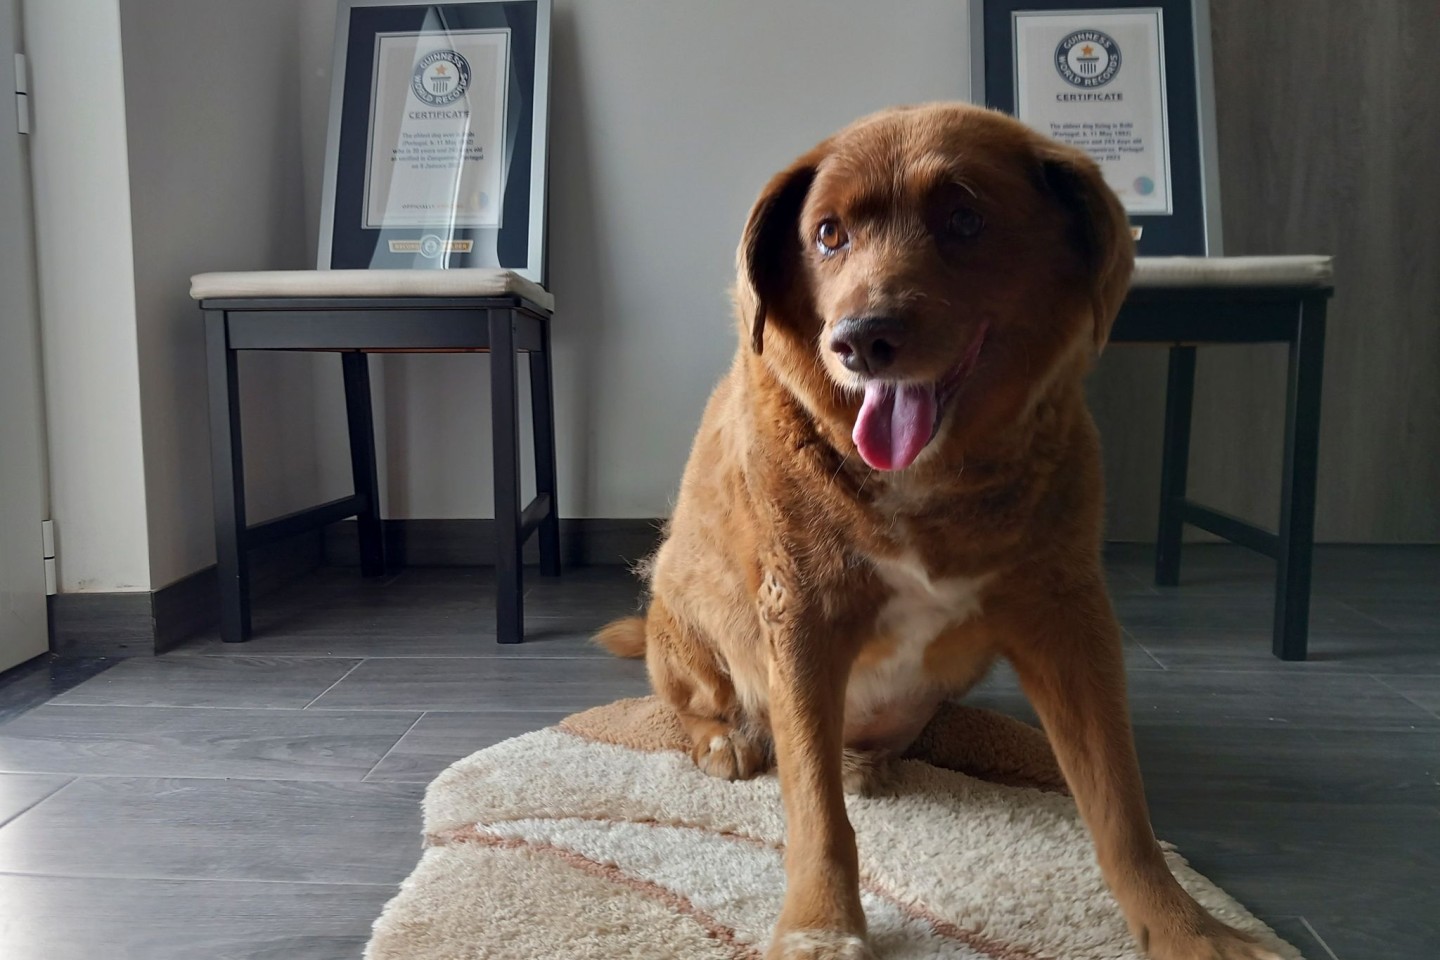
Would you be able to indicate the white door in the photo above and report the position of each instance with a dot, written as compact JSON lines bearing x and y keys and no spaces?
{"x":23,"y":631}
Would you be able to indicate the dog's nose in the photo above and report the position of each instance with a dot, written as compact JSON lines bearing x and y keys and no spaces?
{"x":867,"y":344}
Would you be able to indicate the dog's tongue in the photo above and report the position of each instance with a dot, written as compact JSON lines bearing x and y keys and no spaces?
{"x":895,"y":423}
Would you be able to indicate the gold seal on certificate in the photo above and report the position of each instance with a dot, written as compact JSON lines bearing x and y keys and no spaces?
{"x":1097,"y":81}
{"x":437,"y":130}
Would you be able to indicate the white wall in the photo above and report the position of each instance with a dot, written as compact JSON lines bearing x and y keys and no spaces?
{"x":667,"y":118}
{"x":87,"y":294}
{"x":213,"y":106}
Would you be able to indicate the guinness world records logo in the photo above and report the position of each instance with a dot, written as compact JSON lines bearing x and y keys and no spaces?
{"x":1087,"y":58}
{"x":440,"y":78}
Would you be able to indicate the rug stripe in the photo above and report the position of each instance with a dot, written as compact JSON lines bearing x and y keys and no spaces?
{"x":914,"y":928}
{"x":467,"y":902}
{"x":613,"y":874}
{"x":973,"y":939}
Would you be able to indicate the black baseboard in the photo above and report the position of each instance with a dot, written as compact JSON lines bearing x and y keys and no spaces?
{"x":101,"y":625}
{"x":471,"y":543}
{"x":147,"y":623}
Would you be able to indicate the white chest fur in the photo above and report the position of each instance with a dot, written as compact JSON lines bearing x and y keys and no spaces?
{"x":918,"y":609}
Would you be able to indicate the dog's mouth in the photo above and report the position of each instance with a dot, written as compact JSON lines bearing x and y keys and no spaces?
{"x":897,"y":421}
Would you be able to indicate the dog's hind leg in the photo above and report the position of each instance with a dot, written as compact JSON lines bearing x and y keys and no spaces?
{"x":687,"y":675}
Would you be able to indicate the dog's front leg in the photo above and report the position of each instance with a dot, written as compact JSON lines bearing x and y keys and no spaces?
{"x":822,"y":918}
{"x":1070,"y":662}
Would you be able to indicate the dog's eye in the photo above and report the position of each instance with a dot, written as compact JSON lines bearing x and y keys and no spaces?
{"x":831,"y":237}
{"x":965,"y":222}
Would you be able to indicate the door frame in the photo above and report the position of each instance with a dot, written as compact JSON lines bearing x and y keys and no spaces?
{"x":24,"y":622}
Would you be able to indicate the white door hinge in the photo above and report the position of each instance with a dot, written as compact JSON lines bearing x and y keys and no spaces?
{"x":47,"y":541}
{"x":22,"y":94}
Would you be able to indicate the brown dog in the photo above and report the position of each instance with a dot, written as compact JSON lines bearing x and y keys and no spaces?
{"x":897,"y":482}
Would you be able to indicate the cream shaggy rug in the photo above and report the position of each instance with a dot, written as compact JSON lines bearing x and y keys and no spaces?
{"x":598,"y":839}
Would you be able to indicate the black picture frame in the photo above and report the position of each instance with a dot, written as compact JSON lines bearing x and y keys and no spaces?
{"x":518,"y":242}
{"x":1193,"y":228}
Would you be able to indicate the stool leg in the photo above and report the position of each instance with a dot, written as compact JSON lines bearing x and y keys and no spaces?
{"x":1297,"y":493}
{"x":1174,"y":464}
{"x":505,"y":430}
{"x":227,"y":476}
{"x":361,"y":417}
{"x":542,"y":408}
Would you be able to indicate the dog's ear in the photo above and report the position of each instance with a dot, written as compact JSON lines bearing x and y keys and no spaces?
{"x":1099,"y":230}
{"x":768,"y":260}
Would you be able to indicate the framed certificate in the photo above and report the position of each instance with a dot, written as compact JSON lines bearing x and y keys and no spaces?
{"x":436,"y":155}
{"x":1129,"y":83}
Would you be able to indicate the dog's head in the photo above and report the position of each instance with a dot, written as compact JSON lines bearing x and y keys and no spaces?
{"x":930,"y":267}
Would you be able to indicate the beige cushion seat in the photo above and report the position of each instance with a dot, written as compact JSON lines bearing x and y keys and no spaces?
{"x":1150,"y":273}
{"x":1290,"y":272}
{"x":464,"y":282}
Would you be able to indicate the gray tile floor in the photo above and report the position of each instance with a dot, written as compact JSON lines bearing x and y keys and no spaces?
{"x":260,"y":801}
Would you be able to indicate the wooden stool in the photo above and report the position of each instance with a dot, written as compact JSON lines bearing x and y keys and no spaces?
{"x":1187,"y":302}
{"x":355,"y":312}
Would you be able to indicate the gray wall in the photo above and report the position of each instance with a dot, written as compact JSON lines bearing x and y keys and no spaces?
{"x":1329,"y":130}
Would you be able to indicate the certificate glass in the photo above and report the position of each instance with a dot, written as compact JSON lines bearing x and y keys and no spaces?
{"x":437,"y":148}
{"x":437,"y":129}
{"x":1096,"y":81}
{"x":1129,"y":82}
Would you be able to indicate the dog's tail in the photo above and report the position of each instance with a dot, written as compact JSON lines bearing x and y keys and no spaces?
{"x":624,"y":637}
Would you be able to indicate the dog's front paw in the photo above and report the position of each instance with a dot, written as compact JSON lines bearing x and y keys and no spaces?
{"x":1207,"y":940}
{"x":732,"y":756}
{"x":818,"y":945}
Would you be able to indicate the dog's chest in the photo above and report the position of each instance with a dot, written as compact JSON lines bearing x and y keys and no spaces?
{"x":916,"y":611}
